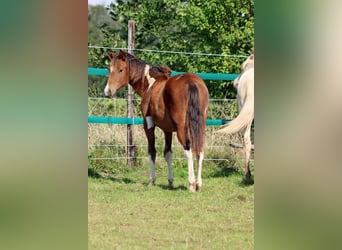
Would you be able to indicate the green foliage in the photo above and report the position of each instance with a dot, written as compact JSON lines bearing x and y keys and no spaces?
{"x":215,"y":27}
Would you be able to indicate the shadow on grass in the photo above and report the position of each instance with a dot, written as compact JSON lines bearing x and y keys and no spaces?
{"x":95,"y":175}
{"x":166,"y":186}
{"x":223,"y":168}
{"x":247,"y":182}
{"x":173,"y":188}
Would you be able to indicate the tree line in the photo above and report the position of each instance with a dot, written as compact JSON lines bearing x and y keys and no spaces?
{"x":199,"y":26}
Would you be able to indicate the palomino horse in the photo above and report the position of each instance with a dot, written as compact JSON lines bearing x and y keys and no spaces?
{"x":245,"y":96}
{"x":174,"y":104}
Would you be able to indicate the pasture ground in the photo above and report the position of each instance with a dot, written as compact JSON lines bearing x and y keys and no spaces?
{"x":125,"y":212}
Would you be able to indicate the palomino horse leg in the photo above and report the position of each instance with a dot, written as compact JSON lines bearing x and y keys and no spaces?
{"x":200,"y":158}
{"x":168,"y":156}
{"x":151,"y":151}
{"x":247,"y":149}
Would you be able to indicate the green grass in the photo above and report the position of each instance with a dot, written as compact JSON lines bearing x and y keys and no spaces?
{"x":124,"y":212}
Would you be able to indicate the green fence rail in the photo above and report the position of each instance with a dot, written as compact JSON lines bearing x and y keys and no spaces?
{"x":204,"y":76}
{"x":138,"y":121}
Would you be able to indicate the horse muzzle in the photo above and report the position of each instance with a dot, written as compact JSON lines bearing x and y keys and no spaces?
{"x":108,"y":92}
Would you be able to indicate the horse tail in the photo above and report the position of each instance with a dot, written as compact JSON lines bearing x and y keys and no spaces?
{"x":195,"y":120}
{"x":244,"y":118}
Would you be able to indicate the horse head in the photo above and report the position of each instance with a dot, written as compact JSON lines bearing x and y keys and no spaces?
{"x":118,"y":73}
{"x":246,"y":65}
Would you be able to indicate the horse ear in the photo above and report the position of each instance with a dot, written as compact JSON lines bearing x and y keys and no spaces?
{"x":122,"y":55}
{"x":166,"y":69}
{"x":111,"y":54}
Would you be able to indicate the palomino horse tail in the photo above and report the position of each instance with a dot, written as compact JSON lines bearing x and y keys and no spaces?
{"x":195,"y":120}
{"x":245,"y":116}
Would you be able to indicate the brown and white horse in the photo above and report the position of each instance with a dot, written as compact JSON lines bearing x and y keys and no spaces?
{"x":174,"y":104}
{"x":245,"y":97}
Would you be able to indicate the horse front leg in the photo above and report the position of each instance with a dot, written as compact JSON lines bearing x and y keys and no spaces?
{"x":168,"y":156}
{"x":149,"y":131}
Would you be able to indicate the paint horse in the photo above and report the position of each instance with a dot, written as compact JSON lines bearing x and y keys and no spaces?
{"x":245,"y":97}
{"x":174,"y":104}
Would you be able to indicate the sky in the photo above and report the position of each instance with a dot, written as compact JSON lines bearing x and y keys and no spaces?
{"x":102,"y":2}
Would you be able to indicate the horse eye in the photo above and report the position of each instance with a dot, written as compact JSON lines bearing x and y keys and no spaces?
{"x":120,"y":70}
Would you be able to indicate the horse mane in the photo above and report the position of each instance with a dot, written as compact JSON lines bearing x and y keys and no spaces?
{"x":246,"y":65}
{"x":164,"y":69}
{"x":160,"y":72}
{"x":249,"y":62}
{"x":156,"y":70}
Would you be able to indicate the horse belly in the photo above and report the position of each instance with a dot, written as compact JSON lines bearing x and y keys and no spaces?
{"x":164,"y":122}
{"x":159,"y":112}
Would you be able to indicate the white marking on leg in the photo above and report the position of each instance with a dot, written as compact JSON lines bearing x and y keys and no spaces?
{"x":150,"y":79}
{"x":149,"y":121}
{"x":199,"y":175}
{"x":168,"y":158}
{"x":191,"y":174}
{"x":152,"y":170}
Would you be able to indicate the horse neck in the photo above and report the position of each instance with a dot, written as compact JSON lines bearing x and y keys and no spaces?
{"x":249,"y":63}
{"x":137,"y":77}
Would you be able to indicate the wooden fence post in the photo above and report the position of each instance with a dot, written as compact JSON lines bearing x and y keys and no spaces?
{"x":130,"y":106}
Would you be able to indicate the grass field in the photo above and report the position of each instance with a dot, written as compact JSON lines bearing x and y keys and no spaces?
{"x":124,"y":212}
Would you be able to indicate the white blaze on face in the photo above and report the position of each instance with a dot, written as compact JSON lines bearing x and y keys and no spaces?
{"x":107,"y":90}
{"x":111,"y":68}
{"x":206,"y":110}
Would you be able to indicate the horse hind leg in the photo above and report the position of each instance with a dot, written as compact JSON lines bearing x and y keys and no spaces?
{"x":200,"y":158}
{"x":168,"y":156}
{"x":191,"y":173}
{"x":181,"y":134}
{"x":152,"y":158}
{"x":247,"y":149}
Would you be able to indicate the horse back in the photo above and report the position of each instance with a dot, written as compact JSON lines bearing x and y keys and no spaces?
{"x":176,"y":94}
{"x":177,"y":86}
